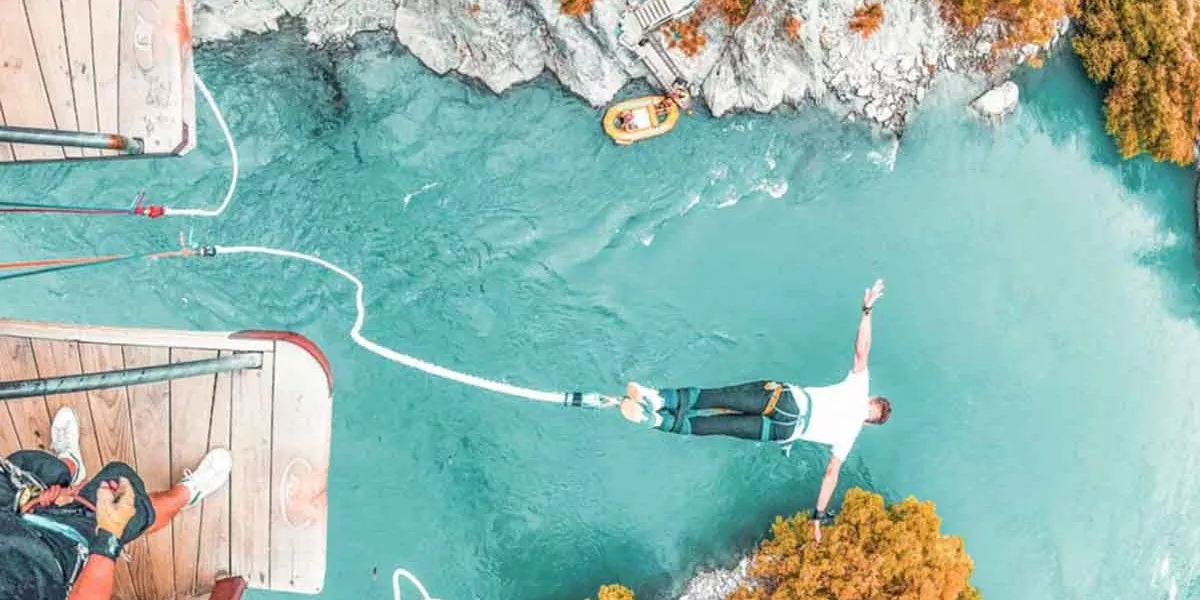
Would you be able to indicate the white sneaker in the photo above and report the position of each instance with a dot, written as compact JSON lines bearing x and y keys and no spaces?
{"x":64,"y":441}
{"x":212,"y":473}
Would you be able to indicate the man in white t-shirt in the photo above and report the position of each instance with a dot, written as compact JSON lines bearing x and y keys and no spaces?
{"x":831,"y":415}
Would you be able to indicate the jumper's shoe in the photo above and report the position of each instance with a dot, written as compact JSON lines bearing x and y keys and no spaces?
{"x":64,"y":442}
{"x":212,"y":473}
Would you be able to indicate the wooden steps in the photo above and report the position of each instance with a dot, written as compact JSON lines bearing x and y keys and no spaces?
{"x":638,"y":22}
{"x":268,"y":524}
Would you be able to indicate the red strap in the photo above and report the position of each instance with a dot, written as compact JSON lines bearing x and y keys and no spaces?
{"x":52,"y":494}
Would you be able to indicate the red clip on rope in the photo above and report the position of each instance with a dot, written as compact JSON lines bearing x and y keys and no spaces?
{"x":152,"y":211}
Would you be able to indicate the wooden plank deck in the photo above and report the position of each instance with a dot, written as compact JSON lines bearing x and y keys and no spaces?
{"x":269,"y":524}
{"x":110,"y":66}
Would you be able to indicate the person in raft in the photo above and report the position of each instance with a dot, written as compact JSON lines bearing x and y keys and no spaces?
{"x":59,"y":539}
{"x":774,"y":411}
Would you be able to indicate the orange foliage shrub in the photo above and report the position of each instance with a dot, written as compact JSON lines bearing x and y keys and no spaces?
{"x":791,"y":27}
{"x":687,"y":36}
{"x":576,"y":8}
{"x":867,"y":19}
{"x":1147,"y":52}
{"x":871,"y":552}
{"x":615,"y":592}
{"x":1025,"y":21}
{"x":733,"y":11}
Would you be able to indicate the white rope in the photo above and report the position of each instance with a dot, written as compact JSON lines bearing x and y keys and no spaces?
{"x":388,"y":353}
{"x":233,"y":157}
{"x":397,"y":574}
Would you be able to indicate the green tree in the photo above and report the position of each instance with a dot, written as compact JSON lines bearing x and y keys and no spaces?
{"x":871,"y":552}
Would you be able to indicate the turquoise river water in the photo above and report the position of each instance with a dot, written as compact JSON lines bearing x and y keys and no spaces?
{"x":1038,"y":338}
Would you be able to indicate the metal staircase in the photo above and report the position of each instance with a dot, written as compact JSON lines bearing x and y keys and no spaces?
{"x":648,"y":16}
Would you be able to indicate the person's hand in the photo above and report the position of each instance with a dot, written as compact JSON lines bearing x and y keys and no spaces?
{"x":114,"y":506}
{"x":817,"y":530}
{"x":873,"y":293}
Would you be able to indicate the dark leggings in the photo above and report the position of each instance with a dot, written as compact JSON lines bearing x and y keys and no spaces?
{"x":744,"y":404}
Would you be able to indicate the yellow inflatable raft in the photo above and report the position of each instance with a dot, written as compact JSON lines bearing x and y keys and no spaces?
{"x":642,"y":118}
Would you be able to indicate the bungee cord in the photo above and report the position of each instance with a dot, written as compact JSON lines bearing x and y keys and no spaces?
{"x":405,"y":573}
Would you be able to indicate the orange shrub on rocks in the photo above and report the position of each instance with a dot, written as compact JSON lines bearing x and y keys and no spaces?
{"x":733,"y":11}
{"x":1025,"y":21}
{"x":576,"y":8}
{"x":615,"y":592}
{"x":872,"y":551}
{"x":867,"y":19}
{"x":687,"y":36}
{"x":791,"y":27}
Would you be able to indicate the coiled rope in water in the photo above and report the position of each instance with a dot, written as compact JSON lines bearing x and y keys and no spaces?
{"x":578,"y":399}
{"x":149,"y":210}
{"x":567,"y":398}
{"x":233,"y":159}
{"x":401,"y":572}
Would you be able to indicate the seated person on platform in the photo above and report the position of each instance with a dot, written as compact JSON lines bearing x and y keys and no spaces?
{"x":772,"y":411}
{"x":58,"y":540}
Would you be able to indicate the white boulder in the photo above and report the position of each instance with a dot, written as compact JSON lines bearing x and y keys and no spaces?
{"x":997,"y":102}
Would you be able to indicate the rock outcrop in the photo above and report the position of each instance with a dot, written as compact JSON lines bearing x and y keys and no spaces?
{"x":757,"y":66}
{"x":997,"y":102}
{"x":717,"y":584}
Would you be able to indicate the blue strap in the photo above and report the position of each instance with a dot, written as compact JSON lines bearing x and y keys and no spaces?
{"x":55,"y":527}
{"x":807,"y":417}
{"x":767,"y":423}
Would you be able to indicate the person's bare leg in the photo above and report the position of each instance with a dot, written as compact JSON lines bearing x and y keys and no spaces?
{"x":167,"y":504}
{"x":209,"y":476}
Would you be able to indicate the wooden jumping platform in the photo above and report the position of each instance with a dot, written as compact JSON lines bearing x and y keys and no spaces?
{"x":269,"y":524}
{"x":110,"y":67}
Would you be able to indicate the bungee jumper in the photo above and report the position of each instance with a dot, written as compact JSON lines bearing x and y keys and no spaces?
{"x":60,"y":537}
{"x":773,"y":411}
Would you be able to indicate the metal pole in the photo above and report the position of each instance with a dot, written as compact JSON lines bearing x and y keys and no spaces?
{"x":10,"y":390}
{"x":74,"y":139}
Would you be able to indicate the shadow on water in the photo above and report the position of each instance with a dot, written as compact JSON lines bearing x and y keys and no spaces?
{"x":1074,"y":115}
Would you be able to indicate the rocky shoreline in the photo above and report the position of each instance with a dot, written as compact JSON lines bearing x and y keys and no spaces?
{"x":756,"y":66}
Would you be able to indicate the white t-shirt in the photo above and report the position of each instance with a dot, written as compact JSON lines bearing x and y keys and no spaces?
{"x":838,"y":412}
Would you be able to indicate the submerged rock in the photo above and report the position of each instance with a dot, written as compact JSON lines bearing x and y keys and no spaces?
{"x":717,"y":584}
{"x":998,"y":102}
